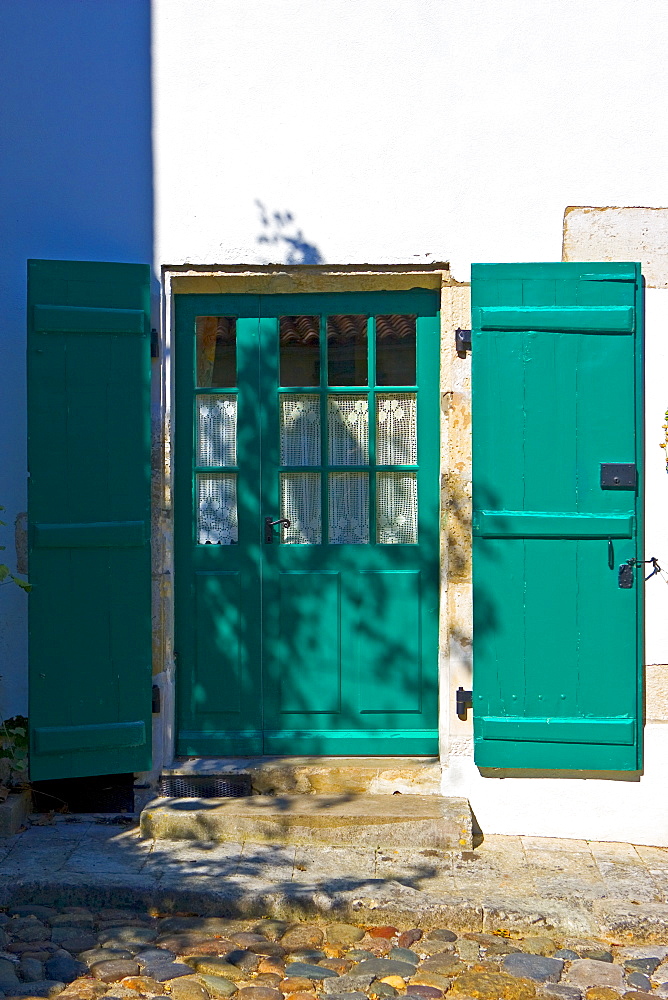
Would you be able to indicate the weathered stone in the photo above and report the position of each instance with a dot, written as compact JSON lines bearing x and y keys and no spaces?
{"x":259,"y":993}
{"x":219,"y":987}
{"x":73,"y":938}
{"x":301,"y":996}
{"x":659,"y":951}
{"x":295,"y":984}
{"x":31,"y":970}
{"x":433,"y":979}
{"x":533,"y":966}
{"x":660,"y":974}
{"x":20,"y":947}
{"x":639,"y":981}
{"x":115,"y":969}
{"x":45,"y":988}
{"x":307,"y":971}
{"x":340,"y":965}
{"x":538,"y":946}
{"x":601,"y":993}
{"x":343,"y":935}
{"x":85,"y":989}
{"x":81,"y":919}
{"x":645,"y":965}
{"x":445,"y":964}
{"x":244,"y":939}
{"x":119,"y":936}
{"x":396,"y":981}
{"x":275,"y":966}
{"x":312,"y":955}
{"x":302,"y":936}
{"x":206,"y":925}
{"x":118,"y":992}
{"x":211,"y":965}
{"x":187,"y":989}
{"x":408,"y":938}
{"x":420,"y":990}
{"x":29,"y":929}
{"x":351,"y":983}
{"x":196,"y":945}
{"x":588,"y":972}
{"x":7,"y":974}
{"x":246,"y":960}
{"x":638,"y":995}
{"x":63,"y":968}
{"x":381,"y":989}
{"x":143,"y":985}
{"x":357,"y":995}
{"x":566,"y":954}
{"x":381,"y":967}
{"x":358,"y":954}
{"x":154,"y":955}
{"x":378,"y":946}
{"x":468,"y":951}
{"x":596,"y":954}
{"x":404,"y":955}
{"x":102,"y":955}
{"x":167,"y":971}
{"x":558,"y":991}
{"x":493,"y":986}
{"x":267,"y":979}
{"x":383,"y":932}
{"x":441,"y":934}
{"x":271,"y":929}
{"x":32,"y":909}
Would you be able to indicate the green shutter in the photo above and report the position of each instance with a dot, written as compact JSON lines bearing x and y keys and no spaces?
{"x":557,"y":391}
{"x":89,"y":518}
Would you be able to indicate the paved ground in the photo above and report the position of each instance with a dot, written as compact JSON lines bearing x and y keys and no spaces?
{"x":514,"y":883}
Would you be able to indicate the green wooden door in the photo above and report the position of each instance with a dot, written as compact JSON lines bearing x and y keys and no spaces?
{"x":557,"y":393}
{"x":89,"y":457}
{"x":322,"y":411}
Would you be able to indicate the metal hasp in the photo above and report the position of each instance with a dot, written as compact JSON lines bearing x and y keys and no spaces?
{"x":462,"y":700}
{"x":269,"y":526}
{"x":462,"y":341}
{"x":625,"y":578}
{"x":618,"y":476}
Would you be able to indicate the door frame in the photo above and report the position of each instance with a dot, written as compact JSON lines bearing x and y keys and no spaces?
{"x":454,"y":669}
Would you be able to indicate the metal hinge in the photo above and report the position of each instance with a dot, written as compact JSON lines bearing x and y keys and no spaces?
{"x":462,"y":341}
{"x":155,"y":700}
{"x":462,"y":700}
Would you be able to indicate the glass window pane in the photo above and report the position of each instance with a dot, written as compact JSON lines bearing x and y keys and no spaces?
{"x":299,"y":347}
{"x":396,"y":428}
{"x":300,"y":429}
{"x":347,"y":350}
{"x":300,"y":503}
{"x":216,"y":352}
{"x":349,"y":508}
{"x":395,"y":350}
{"x":348,"y":430}
{"x":217,"y":429}
{"x":396,"y":504}
{"x":217,"y":521}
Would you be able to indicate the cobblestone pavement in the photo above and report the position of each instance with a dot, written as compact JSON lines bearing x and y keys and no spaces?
{"x":508,"y":885}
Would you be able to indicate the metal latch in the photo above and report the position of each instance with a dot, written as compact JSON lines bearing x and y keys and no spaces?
{"x":618,"y":476}
{"x":462,"y":341}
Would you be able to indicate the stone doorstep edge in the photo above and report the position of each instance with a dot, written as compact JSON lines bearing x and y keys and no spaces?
{"x":392,"y":903}
{"x":14,"y":812}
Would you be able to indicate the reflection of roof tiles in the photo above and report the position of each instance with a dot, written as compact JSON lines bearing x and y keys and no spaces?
{"x":343,"y":329}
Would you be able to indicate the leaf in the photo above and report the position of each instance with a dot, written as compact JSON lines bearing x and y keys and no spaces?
{"x":17,"y":731}
{"x":23,"y":584}
{"x":4,"y":572}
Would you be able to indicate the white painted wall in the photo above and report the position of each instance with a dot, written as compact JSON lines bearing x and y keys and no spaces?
{"x":401,"y":130}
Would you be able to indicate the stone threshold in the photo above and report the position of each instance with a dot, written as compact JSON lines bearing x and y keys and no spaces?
{"x":321,"y":775}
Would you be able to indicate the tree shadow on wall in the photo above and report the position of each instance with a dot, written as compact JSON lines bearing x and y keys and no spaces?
{"x":280,"y":231}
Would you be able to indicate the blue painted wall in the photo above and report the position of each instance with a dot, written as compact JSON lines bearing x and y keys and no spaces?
{"x":75,"y":183}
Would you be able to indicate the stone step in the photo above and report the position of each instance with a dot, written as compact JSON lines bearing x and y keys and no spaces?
{"x":322,"y":775}
{"x":383,"y":821}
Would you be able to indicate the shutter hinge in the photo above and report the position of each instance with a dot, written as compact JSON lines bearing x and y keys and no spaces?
{"x":462,"y":341}
{"x":155,"y":700}
{"x":462,"y":700}
{"x":155,"y":343}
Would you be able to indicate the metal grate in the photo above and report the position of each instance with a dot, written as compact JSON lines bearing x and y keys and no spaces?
{"x":202,"y":786}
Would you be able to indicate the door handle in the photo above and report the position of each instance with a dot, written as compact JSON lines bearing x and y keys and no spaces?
{"x":269,"y":525}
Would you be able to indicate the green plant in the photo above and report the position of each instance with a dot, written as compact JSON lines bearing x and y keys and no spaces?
{"x":6,"y":576}
{"x":13,"y":754}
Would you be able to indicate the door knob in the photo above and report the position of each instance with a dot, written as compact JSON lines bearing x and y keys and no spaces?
{"x":269,"y":525}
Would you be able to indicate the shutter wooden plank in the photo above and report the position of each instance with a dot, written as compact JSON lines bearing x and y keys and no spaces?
{"x":557,"y":643}
{"x":89,"y":518}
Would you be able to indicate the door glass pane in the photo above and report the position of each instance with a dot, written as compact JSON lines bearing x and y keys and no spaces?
{"x":396,"y":499}
{"x":395,"y":350}
{"x":300,"y":503}
{"x":299,"y":349}
{"x":300,"y":429}
{"x":348,"y":430}
{"x":348,"y":508}
{"x":396,"y":428}
{"x":217,"y":521}
{"x":217,"y":429}
{"x":347,"y":350}
{"x":216,"y":352}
